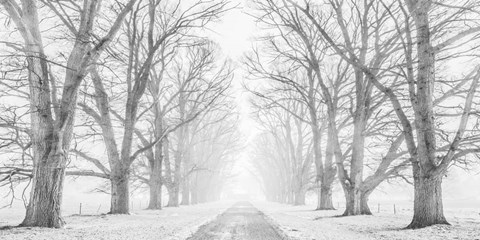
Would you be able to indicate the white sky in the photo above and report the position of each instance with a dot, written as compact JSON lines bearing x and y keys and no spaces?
{"x":235,"y":31}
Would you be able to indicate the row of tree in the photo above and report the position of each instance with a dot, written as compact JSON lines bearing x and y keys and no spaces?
{"x":126,"y":91}
{"x":363,"y":91}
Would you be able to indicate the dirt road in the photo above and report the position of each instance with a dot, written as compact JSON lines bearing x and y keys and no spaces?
{"x":241,"y":221}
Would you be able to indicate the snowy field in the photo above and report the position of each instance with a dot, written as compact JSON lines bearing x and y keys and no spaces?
{"x":168,"y":223}
{"x":300,"y":222}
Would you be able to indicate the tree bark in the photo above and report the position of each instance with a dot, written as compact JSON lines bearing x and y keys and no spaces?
{"x":120,"y":194}
{"x":329,"y":172}
{"x":353,"y":202}
{"x":195,"y":186}
{"x":427,"y":205}
{"x":44,"y":208}
{"x":156,"y":166}
{"x":352,"y":186}
{"x":428,"y":208}
{"x":155,"y":185}
{"x":49,"y":157}
{"x":173,"y":197}
{"x":325,"y":202}
{"x":365,"y":209}
{"x":50,"y":136}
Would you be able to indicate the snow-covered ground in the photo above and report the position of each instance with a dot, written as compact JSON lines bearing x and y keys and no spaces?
{"x":300,"y":222}
{"x":168,"y":223}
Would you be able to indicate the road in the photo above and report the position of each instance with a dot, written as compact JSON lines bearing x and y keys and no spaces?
{"x":241,"y":221}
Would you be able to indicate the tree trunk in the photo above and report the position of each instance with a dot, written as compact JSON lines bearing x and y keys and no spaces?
{"x":173,"y":196}
{"x":156,"y":173}
{"x":44,"y":208}
{"x":352,"y":185}
{"x":49,"y":155}
{"x":353,"y":202}
{"x":365,"y":209}
{"x":155,"y":191}
{"x":282,"y":197}
{"x":325,"y":202}
{"x":318,"y":191}
{"x":427,"y":205}
{"x":120,"y":194}
{"x":299,"y":197}
{"x":185,"y":192}
{"x":290,"y":197}
{"x":194,"y":197}
{"x":328,"y":176}
{"x":50,"y":144}
{"x":194,"y":189}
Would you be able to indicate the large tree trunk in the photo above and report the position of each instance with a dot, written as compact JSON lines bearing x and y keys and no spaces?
{"x":51,"y":138}
{"x":49,"y":151}
{"x":428,"y":208}
{"x":156,"y":168}
{"x":44,"y":208}
{"x":352,"y":185}
{"x":155,"y":190}
{"x":353,"y":202}
{"x":427,"y":204}
{"x":325,"y":202}
{"x":365,"y":209}
{"x":329,"y":172}
{"x":120,"y":194}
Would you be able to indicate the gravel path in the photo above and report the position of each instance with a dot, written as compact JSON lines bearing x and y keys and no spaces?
{"x":241,"y":221}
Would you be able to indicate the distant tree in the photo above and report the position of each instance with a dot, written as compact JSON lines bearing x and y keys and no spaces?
{"x":200,"y":80}
{"x":147,"y":34}
{"x":283,"y":153}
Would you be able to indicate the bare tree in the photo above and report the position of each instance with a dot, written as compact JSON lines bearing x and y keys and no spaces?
{"x":420,"y":25}
{"x":300,"y":46}
{"x":52,"y":118}
{"x":200,"y":82}
{"x":141,"y":48}
{"x":285,"y":156}
{"x":214,"y":145}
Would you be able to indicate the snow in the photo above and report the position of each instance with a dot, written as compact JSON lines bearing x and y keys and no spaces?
{"x":297,"y":222}
{"x":300,"y":222}
{"x":168,"y":223}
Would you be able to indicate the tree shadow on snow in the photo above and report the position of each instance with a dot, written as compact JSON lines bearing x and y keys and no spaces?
{"x":8,"y":227}
{"x":327,"y":217}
